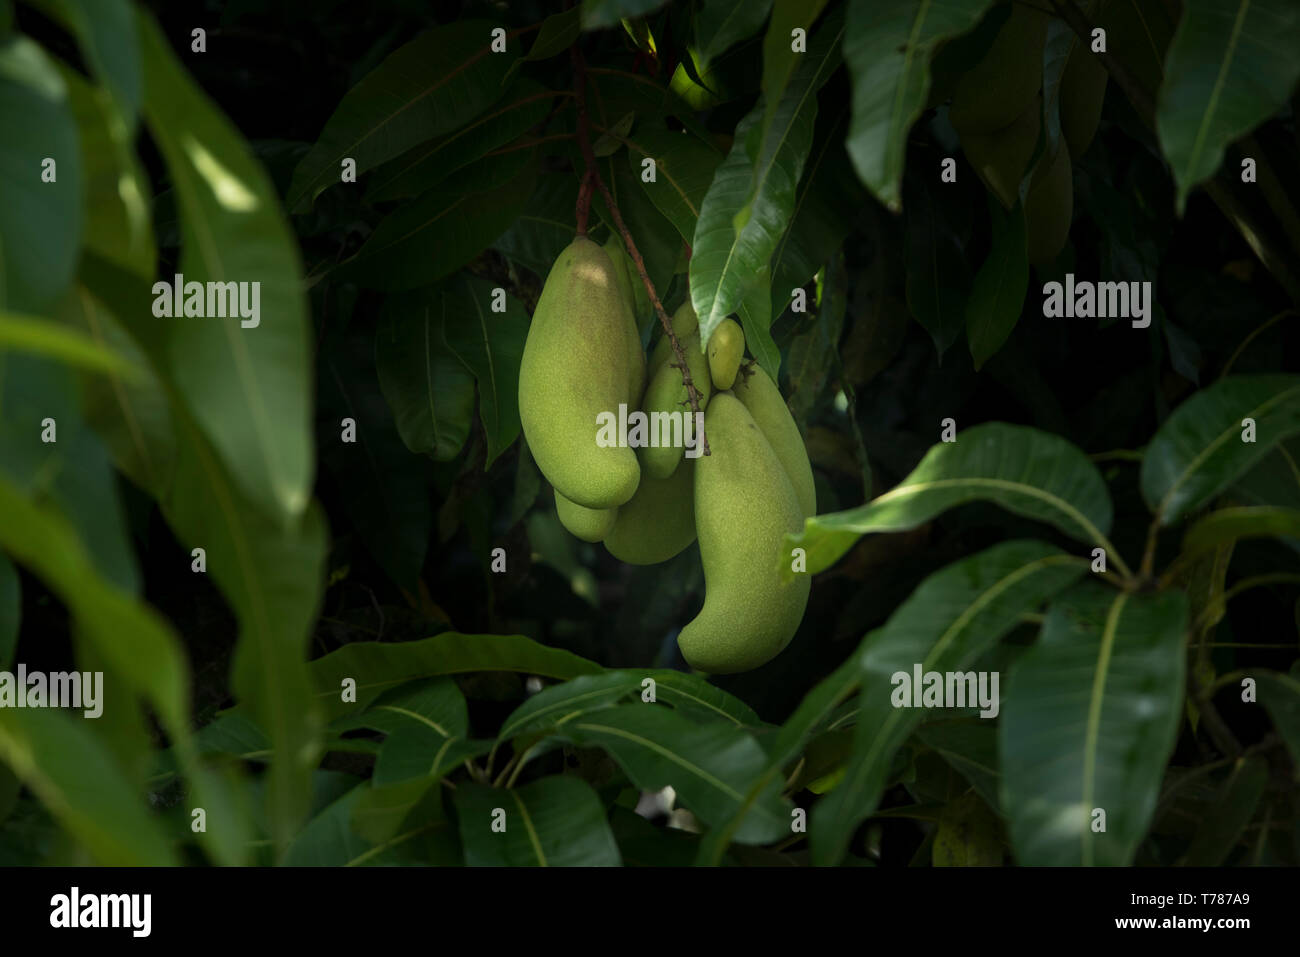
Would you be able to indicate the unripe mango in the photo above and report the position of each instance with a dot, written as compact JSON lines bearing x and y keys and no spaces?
{"x":577,"y":363}
{"x":726,"y":349}
{"x":588,"y":524}
{"x":667,"y":394}
{"x":684,"y":322}
{"x":633,"y":291}
{"x":998,"y":89}
{"x":659,"y":521}
{"x":1049,"y":207}
{"x":744,"y":506}
{"x":1083,"y":93}
{"x":1002,"y":158}
{"x":763,"y":400}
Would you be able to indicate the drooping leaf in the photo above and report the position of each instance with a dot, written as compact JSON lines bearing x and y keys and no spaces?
{"x":779,"y":54}
{"x":952,"y":618}
{"x":1206,"y":443}
{"x":684,"y":167}
{"x":246,"y":387}
{"x":721,"y":24}
{"x":1226,"y":525}
{"x":938,"y":272}
{"x":556,"y":821}
{"x":426,"y":88}
{"x":1031,"y":473}
{"x":1230,"y":68}
{"x":105,"y":32}
{"x":1090,"y":717}
{"x":887,"y":47}
{"x":998,"y":292}
{"x":40,"y":221}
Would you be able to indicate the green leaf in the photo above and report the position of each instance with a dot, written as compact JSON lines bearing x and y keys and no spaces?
{"x":606,"y":13}
{"x":429,"y":390}
{"x":1091,"y":716}
{"x":552,"y":822}
{"x":1223,"y":823}
{"x":968,"y":835}
{"x":779,"y":56}
{"x":490,"y":344}
{"x":816,"y":709}
{"x":721,"y":24}
{"x":40,"y":222}
{"x":379,"y":666}
{"x":445,"y":228}
{"x":61,"y":761}
{"x":887,"y":47}
{"x":11,"y":611}
{"x":998,"y":292}
{"x":524,"y":105}
{"x":247,"y":388}
{"x":539,"y":234}
{"x":1199,"y":450}
{"x":970,"y":746}
{"x":1226,"y":525}
{"x":938,"y":273}
{"x":710,"y":766}
{"x":1231,"y":66}
{"x":435,"y":84}
{"x":653,"y":233}
{"x":45,"y":338}
{"x":756,"y":185}
{"x":557,"y":705}
{"x":952,"y":618}
{"x":684,"y":167}
{"x":1280,"y":696}
{"x":559,"y":32}
{"x":1031,"y":473}
{"x":694,"y":697}
{"x":330,"y":840}
{"x":105,"y":32}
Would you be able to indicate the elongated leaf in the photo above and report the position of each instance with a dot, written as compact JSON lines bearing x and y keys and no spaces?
{"x":1200,"y":449}
{"x":427,"y":724}
{"x":970,"y":746}
{"x":70,"y":771}
{"x":998,"y":292}
{"x":810,"y":717}
{"x":246,"y":387}
{"x":46,"y":338}
{"x":11,"y":609}
{"x":552,"y":822}
{"x":684,"y":167}
{"x":525,"y":104}
{"x":555,"y":706}
{"x":1226,"y":525}
{"x":330,"y":840}
{"x":1025,"y":471}
{"x":752,"y":197}
{"x":1222,"y":827}
{"x":431,"y":86}
{"x":606,"y":13}
{"x":1280,"y":695}
{"x":779,"y":55}
{"x":444,"y":228}
{"x":379,"y":666}
{"x":1091,"y":715}
{"x":938,"y":273}
{"x":40,"y":222}
{"x":709,"y":765}
{"x":887,"y":47}
{"x":559,"y":32}
{"x":490,"y":344}
{"x":721,"y":24}
{"x":696,"y":698}
{"x":1230,"y":68}
{"x":105,"y":32}
{"x":952,"y":618}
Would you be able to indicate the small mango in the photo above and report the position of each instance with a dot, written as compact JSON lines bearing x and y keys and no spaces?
{"x":588,"y":524}
{"x":726,"y":349}
{"x":578,"y":362}
{"x":1002,"y":158}
{"x":1083,"y":93}
{"x":684,"y":322}
{"x":658,"y":522}
{"x":763,"y":399}
{"x":998,"y":89}
{"x":744,"y":506}
{"x":1049,"y":207}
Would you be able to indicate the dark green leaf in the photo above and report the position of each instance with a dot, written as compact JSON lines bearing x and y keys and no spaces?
{"x":11,"y":610}
{"x":938,"y":273}
{"x":721,"y":24}
{"x":105,"y":31}
{"x":1280,"y":695}
{"x":1222,"y":826}
{"x":970,"y":746}
{"x":559,"y":32}
{"x":1226,"y":525}
{"x":606,"y":13}
{"x":998,"y":291}
{"x":330,"y":840}
{"x":684,"y":167}
{"x":552,"y":822}
{"x":557,"y":705}
{"x":539,"y":234}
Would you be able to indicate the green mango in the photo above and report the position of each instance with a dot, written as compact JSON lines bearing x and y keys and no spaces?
{"x":1083,"y":93}
{"x":726,"y":349}
{"x":1002,"y":158}
{"x":633,"y":291}
{"x":684,"y":323}
{"x":1049,"y":207}
{"x":998,"y":89}
{"x":763,"y":399}
{"x":588,"y":524}
{"x":666,"y":394}
{"x":578,"y":363}
{"x":659,"y":521}
{"x":744,"y":506}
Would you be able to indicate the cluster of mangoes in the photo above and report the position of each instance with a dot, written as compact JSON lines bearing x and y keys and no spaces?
{"x":583,"y":357}
{"x":997,"y":111}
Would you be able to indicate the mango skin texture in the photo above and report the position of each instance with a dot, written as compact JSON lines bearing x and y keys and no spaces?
{"x":1049,"y":207}
{"x":744,"y":506}
{"x":659,"y":522}
{"x":577,"y":363}
{"x":588,"y":524}
{"x":997,"y":89}
{"x":1083,"y":93}
{"x":761,"y":397}
{"x":629,"y":285}
{"x":726,"y":349}
{"x":1001,"y":158}
{"x":667,"y":393}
